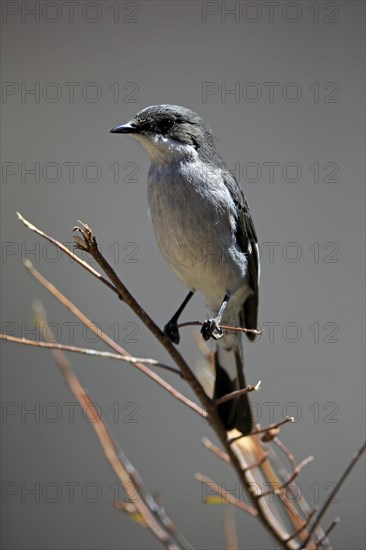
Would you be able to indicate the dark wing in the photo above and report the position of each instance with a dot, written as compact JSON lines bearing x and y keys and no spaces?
{"x":247,"y":241}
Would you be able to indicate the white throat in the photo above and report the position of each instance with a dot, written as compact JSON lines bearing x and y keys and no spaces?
{"x":164,"y":150}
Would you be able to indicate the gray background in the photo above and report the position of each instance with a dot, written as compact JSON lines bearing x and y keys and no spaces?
{"x":164,"y":52}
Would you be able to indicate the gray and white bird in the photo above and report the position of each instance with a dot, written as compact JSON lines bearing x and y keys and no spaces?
{"x":204,"y":231}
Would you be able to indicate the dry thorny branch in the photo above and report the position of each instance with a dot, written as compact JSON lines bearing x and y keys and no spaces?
{"x":289,"y":520}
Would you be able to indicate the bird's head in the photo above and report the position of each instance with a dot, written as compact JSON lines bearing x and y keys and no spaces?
{"x":170,"y":132}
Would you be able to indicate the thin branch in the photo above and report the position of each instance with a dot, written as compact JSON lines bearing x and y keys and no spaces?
{"x":304,"y":526}
{"x":109,"y":449}
{"x":329,"y":499}
{"x":267,"y":517}
{"x":268,"y":429}
{"x":237,"y":393}
{"x":86,"y":351}
{"x":230,"y":530}
{"x":129,"y":509}
{"x":301,"y":503}
{"x":285,"y":451}
{"x":295,"y":473}
{"x":68,"y":252}
{"x":229,"y":328}
{"x":275,"y":426}
{"x":106,"y":339}
{"x":295,"y":467}
{"x":216,"y":450}
{"x":153,"y":504}
{"x":297,"y":470}
{"x":319,"y":543}
{"x":258,"y":463}
{"x":90,"y":245}
{"x":225,"y":457}
{"x":225,"y":495}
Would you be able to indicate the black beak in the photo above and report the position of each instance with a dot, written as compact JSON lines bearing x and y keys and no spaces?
{"x":127,"y":128}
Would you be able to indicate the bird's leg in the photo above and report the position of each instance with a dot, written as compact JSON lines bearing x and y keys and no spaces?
{"x":211,"y":327}
{"x":171,"y":329}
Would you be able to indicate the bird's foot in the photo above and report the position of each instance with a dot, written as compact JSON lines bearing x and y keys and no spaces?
{"x":211,"y":329}
{"x":171,"y":330}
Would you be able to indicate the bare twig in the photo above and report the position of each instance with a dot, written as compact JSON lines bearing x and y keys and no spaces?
{"x":230,"y":530}
{"x":285,"y":451}
{"x":237,"y":393}
{"x":319,"y":543}
{"x":294,"y":474}
{"x":216,"y":450}
{"x":269,"y":429}
{"x":154,"y":504}
{"x":106,"y":339}
{"x":67,"y":252}
{"x":301,"y":529}
{"x":227,"y":498}
{"x":109,"y":449}
{"x":295,"y":467}
{"x":257,"y":464}
{"x":225,"y":457}
{"x":275,"y":426}
{"x":90,"y":245}
{"x":87,"y":242}
{"x":265,"y":514}
{"x":85,"y":351}
{"x":304,"y":509}
{"x":229,"y":328}
{"x":330,"y":497}
{"x":269,"y":520}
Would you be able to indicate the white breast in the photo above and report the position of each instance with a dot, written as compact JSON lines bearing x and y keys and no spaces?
{"x":192,"y":215}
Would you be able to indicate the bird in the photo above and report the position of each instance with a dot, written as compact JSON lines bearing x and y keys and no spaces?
{"x":204,"y":231}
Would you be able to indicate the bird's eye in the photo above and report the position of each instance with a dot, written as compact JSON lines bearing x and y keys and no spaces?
{"x":166,"y":124}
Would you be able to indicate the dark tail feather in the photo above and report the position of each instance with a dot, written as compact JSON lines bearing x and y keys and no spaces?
{"x":235,"y":413}
{"x":249,"y":319}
